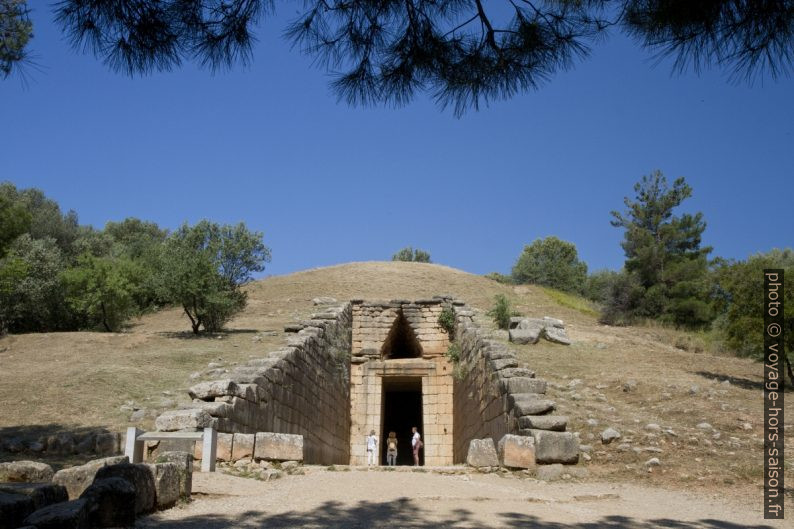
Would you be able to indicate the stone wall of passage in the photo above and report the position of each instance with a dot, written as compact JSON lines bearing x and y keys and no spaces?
{"x":495,"y":395}
{"x":302,"y":388}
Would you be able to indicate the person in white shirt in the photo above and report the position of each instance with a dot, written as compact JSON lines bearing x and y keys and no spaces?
{"x":372,"y":448}
{"x":416,"y":445}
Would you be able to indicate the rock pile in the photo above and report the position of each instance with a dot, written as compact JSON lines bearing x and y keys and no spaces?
{"x":108,"y":492}
{"x":531,"y":330}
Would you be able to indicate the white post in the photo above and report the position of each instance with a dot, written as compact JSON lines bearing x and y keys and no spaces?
{"x":134,"y":448}
{"x":209,"y":450}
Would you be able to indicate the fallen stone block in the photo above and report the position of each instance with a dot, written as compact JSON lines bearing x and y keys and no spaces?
{"x":190,"y":419}
{"x":555,"y":423}
{"x":517,"y":451}
{"x":184,"y":462}
{"x":278,"y":446}
{"x":525,"y":336}
{"x":72,"y":514}
{"x":111,"y":502}
{"x":553,"y":322}
{"x":243,"y":446}
{"x":550,"y":472}
{"x":556,"y":335}
{"x":555,"y":447}
{"x":76,"y":479}
{"x":42,"y":494}
{"x":141,"y":478}
{"x":26,"y":472}
{"x":14,"y":508}
{"x":530,"y":404}
{"x":482,"y":453}
{"x":166,"y":484}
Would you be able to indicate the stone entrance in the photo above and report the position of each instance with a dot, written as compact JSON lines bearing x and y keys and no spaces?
{"x":399,"y":378}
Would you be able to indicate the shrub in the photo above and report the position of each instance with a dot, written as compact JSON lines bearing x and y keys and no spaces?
{"x":502,"y":311}
{"x":447,"y":321}
{"x":453,"y":353}
{"x":408,"y":254}
{"x":553,"y":263}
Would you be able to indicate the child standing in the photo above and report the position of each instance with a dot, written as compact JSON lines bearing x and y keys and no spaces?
{"x":372,"y":448}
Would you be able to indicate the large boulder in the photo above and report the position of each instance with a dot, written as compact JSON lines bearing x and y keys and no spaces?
{"x":14,"y":508}
{"x":141,"y":478}
{"x":190,"y":419}
{"x":556,"y":335}
{"x":73,"y":514}
{"x":166,"y":484}
{"x":482,"y":453}
{"x":517,"y":451}
{"x":26,"y":472}
{"x":555,"y":447}
{"x":42,"y":494}
{"x":184,"y":462}
{"x":77,"y":479}
{"x":278,"y":446}
{"x":525,"y":336}
{"x":111,"y":502}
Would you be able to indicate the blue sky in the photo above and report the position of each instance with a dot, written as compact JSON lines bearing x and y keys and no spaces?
{"x":269,"y":145}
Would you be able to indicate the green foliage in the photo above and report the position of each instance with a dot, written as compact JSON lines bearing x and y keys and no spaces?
{"x":16,"y":30}
{"x":409,"y":254}
{"x":453,"y":353}
{"x":447,"y":321}
{"x":599,"y":284}
{"x":14,"y":221}
{"x":33,"y":295}
{"x":202,"y":268}
{"x":553,"y":263}
{"x":46,"y":219}
{"x":500,"y":278}
{"x":102,"y":290}
{"x":739,"y":301}
{"x":667,"y":268}
{"x":502,"y":311}
{"x":572,"y":301}
{"x":12,"y":271}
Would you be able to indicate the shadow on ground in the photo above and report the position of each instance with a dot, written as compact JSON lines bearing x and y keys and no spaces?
{"x":16,"y":443}
{"x":404,"y":513}
{"x":744,"y":383}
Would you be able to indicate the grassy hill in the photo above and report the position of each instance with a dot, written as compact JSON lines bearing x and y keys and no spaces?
{"x":627,"y":378}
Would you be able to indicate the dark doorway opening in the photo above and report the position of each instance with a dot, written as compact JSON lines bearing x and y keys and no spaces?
{"x":402,"y":410}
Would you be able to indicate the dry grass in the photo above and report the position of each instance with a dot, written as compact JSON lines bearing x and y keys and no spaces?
{"x":69,"y":380}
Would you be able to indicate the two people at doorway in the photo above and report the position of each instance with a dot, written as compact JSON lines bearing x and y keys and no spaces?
{"x":391,"y":447}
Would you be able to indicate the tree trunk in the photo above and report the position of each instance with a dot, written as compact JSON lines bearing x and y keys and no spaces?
{"x":193,"y":322}
{"x":790,"y":371}
{"x":105,"y":317}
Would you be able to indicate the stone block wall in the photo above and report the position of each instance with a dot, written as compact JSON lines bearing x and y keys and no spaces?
{"x":302,"y":388}
{"x":375,"y":329}
{"x":495,"y":395}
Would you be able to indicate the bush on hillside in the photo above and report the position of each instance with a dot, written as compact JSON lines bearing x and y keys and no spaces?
{"x":553,"y":263}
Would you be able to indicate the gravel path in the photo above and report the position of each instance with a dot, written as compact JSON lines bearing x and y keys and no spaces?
{"x":359,"y":498}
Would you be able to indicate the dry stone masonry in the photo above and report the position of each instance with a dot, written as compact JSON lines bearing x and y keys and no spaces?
{"x":363,"y":366}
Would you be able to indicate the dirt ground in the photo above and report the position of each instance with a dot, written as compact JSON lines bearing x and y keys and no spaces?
{"x":362,"y":498}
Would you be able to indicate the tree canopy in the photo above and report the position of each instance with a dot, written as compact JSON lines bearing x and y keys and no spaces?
{"x":666,"y":265}
{"x":462,"y":52}
{"x":553,"y":263}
